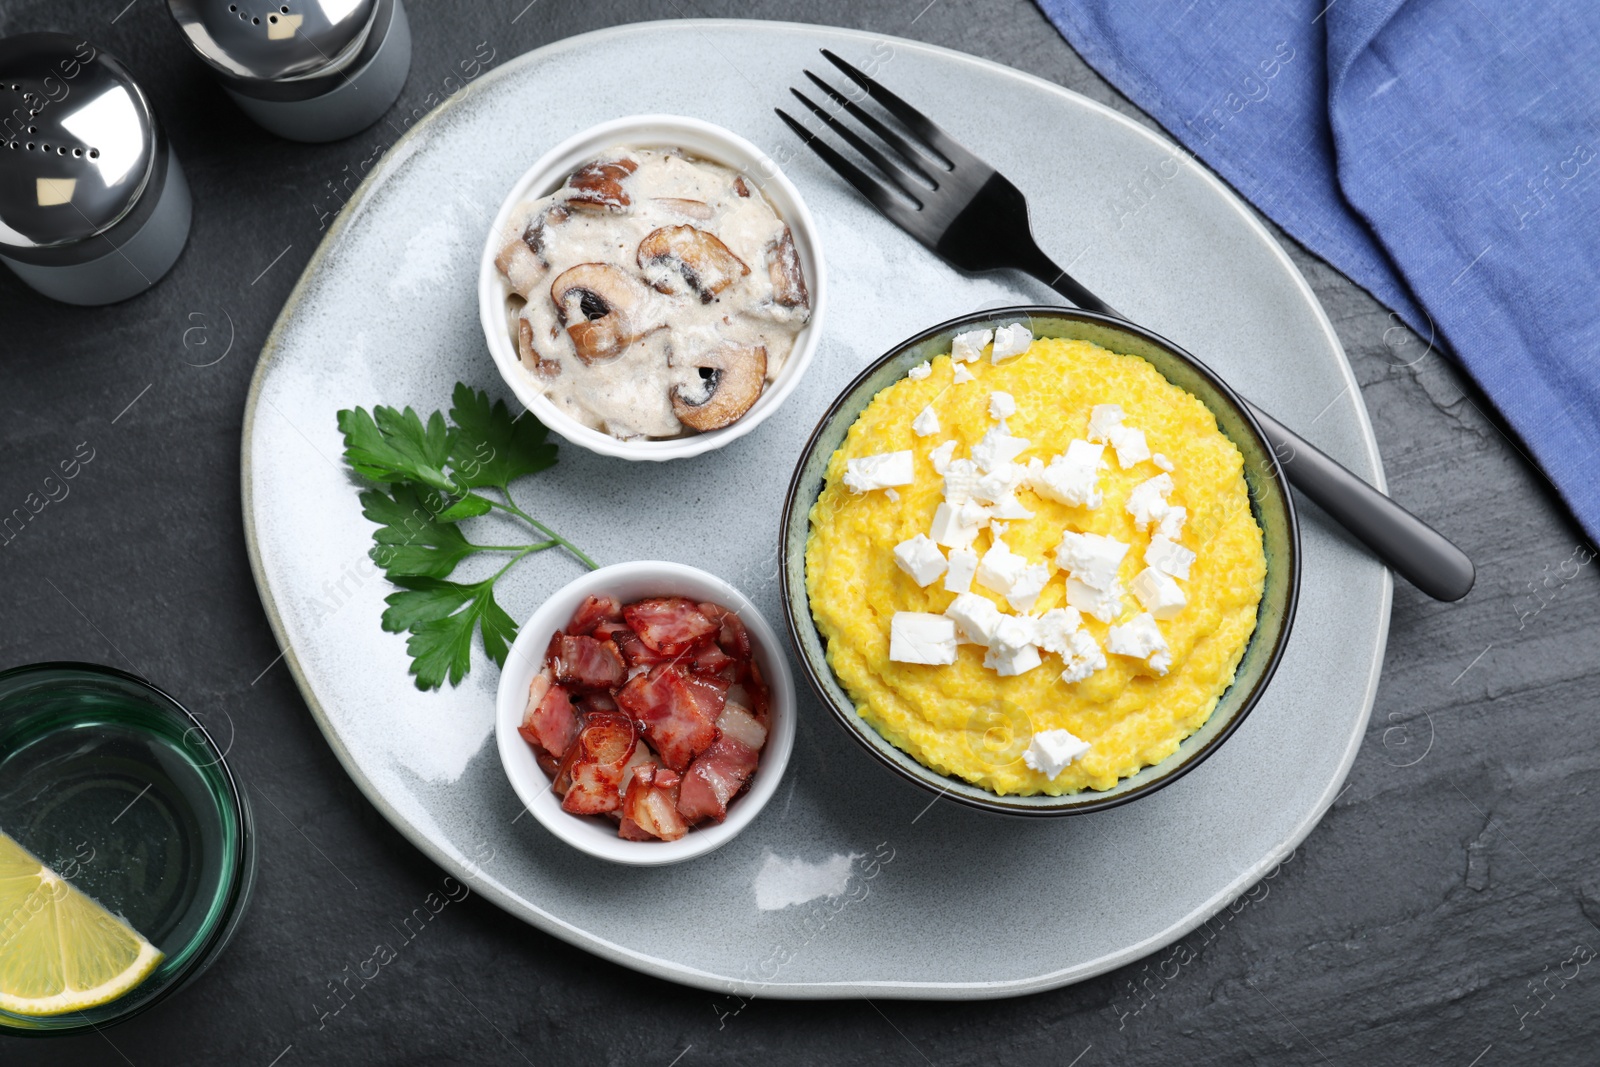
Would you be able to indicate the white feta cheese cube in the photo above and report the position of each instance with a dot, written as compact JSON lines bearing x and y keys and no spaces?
{"x":1158,"y":593}
{"x":969,"y":346}
{"x":1011,"y":664}
{"x":1161,"y":461}
{"x":961,"y":375}
{"x":921,"y":637}
{"x":1071,"y":479}
{"x":1086,"y":454}
{"x":1051,"y":751}
{"x":920,"y":371}
{"x":963,"y":565}
{"x":975,"y":515}
{"x":948,"y":529}
{"x":1103,"y":604}
{"x":961,"y":477}
{"x":1147,"y":502}
{"x":1053,"y":630}
{"x":920,"y":558}
{"x":976,"y":618}
{"x":880,"y":471}
{"x":1171,"y":524}
{"x":1000,"y":567}
{"x":1009,"y":507}
{"x":1130,"y":445}
{"x":1092,"y":559}
{"x":926,"y":424}
{"x":1027,"y":586}
{"x":1010,"y":341}
{"x":1011,"y":649}
{"x":1141,"y":639}
{"x":1167,"y":556}
{"x":940,"y":457}
{"x":1103,"y":418}
{"x":999,"y":483}
{"x":1002,"y":405}
{"x":1083,"y":658}
{"x":997,"y":448}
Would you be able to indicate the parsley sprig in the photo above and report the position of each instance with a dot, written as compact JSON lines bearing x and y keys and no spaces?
{"x":429,"y":475}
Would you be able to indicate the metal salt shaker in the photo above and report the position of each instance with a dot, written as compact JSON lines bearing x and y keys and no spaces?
{"x":93,"y":205}
{"x":308,"y":70}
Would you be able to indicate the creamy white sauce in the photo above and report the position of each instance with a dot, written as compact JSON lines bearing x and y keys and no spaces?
{"x":630,"y":394}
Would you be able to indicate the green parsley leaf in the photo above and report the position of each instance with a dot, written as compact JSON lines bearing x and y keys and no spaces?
{"x":426,"y":471}
{"x":491,"y":448}
{"x":413,"y":539}
{"x":441,"y":648}
{"x":422,"y":600}
{"x":396,"y":446}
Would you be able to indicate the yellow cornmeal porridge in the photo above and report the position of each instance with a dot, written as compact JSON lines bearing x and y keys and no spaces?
{"x":966,"y":720}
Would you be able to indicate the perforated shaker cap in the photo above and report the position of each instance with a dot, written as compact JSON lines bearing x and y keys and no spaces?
{"x":255,"y":40}
{"x":77,"y":140}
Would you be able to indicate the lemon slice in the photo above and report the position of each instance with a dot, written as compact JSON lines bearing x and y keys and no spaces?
{"x":59,"y":950}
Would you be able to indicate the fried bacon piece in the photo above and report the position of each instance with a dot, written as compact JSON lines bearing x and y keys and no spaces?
{"x":679,"y":713}
{"x":650,"y":809}
{"x":583,"y":663}
{"x":721,"y":771}
{"x":590,"y":703}
{"x":634,"y":651}
{"x":710,"y":659}
{"x":669,"y":625}
{"x":594,"y":611}
{"x":598,"y":186}
{"x":598,"y":756}
{"x":549,"y":723}
{"x":733,"y":638}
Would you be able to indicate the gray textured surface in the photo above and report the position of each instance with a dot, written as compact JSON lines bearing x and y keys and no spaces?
{"x":1454,"y":873}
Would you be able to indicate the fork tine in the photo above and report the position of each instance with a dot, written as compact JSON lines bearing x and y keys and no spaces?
{"x":899,"y":175}
{"x":873,"y":190}
{"x":925,"y":128}
{"x":917,"y":160}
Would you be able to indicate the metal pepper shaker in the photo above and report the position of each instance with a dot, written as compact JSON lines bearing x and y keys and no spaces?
{"x":308,"y":70}
{"x":93,"y":205}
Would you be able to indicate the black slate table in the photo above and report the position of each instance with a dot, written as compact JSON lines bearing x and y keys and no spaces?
{"x":1426,"y":920}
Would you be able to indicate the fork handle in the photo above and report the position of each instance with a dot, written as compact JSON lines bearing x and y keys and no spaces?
{"x":1407,"y":545}
{"x":1410,"y":547}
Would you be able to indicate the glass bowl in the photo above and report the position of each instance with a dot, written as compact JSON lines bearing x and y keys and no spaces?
{"x":119,"y":789}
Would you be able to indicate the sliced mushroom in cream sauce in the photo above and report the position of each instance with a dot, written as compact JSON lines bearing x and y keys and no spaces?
{"x":653,"y":295}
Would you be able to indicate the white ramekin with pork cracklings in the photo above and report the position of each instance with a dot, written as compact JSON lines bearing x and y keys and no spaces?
{"x":652,"y":288}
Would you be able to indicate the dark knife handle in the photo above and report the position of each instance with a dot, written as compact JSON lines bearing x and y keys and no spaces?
{"x":1411,"y":548}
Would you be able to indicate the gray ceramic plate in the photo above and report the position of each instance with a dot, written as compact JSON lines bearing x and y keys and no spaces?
{"x":1270,"y":501}
{"x":849,"y":883}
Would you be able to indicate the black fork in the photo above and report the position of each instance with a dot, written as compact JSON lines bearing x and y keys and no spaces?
{"x":972,"y":217}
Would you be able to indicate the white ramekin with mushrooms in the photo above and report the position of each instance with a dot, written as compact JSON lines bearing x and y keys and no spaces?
{"x":652,"y":287}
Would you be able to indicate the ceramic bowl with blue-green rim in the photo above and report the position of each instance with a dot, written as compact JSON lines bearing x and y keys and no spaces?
{"x":1270,"y":501}
{"x":122,"y":791}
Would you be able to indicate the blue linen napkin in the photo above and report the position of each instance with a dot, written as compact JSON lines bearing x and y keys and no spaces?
{"x":1442,"y":153}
